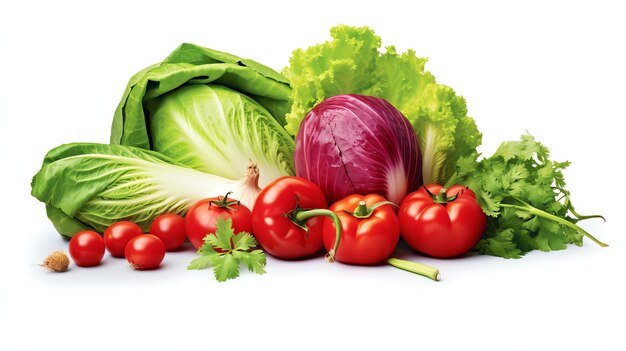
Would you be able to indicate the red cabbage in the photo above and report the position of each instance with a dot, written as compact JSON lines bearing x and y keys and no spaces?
{"x":356,"y":144}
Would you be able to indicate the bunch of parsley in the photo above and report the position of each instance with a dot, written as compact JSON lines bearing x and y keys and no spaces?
{"x":523,"y":194}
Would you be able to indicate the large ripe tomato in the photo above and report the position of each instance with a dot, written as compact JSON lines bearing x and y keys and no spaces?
{"x":369,"y":232}
{"x":286,"y":218}
{"x":441,"y":223}
{"x":145,"y":251}
{"x":202,"y":217}
{"x":117,"y":235}
{"x":87,"y":248}
{"x":170,"y":228}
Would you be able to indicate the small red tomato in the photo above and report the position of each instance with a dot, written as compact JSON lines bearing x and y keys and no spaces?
{"x":202,"y":217}
{"x":117,"y":235}
{"x":170,"y":228}
{"x":145,"y":251}
{"x":87,"y":248}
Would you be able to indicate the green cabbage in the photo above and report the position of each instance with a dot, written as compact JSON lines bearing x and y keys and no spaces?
{"x":211,"y":111}
{"x":91,"y":186}
{"x":352,"y":64}
{"x":216,"y":130}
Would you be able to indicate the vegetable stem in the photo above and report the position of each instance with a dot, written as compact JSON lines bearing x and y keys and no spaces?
{"x":417,"y":268}
{"x":301,"y":216}
{"x":361,"y":209}
{"x":442,"y":197}
{"x":224,"y":203}
{"x":570,"y":207}
{"x":537,"y":212}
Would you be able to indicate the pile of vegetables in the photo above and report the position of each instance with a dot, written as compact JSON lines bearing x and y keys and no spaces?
{"x":350,"y":149}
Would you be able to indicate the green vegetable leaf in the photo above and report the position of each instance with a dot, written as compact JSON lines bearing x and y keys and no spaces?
{"x":225,"y":267}
{"x":525,"y":149}
{"x":211,"y":111}
{"x":88,"y":186}
{"x":520,"y":189}
{"x":244,"y":241}
{"x":223,"y":234}
{"x":190,"y":64}
{"x":550,"y":237}
{"x":240,"y":131}
{"x":225,"y":251}
{"x":203,"y":262}
{"x":254,"y":260}
{"x":500,"y":244}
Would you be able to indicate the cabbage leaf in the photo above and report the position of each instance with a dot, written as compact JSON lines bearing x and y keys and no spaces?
{"x":90,"y":186}
{"x":253,"y":105}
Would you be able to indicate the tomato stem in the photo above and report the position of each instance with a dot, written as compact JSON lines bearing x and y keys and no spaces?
{"x":442,"y":197}
{"x":417,"y":268}
{"x":224,"y":203}
{"x":361,"y":209}
{"x":300,"y":216}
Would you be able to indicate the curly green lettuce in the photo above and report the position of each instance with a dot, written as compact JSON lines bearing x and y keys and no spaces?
{"x":352,"y":63}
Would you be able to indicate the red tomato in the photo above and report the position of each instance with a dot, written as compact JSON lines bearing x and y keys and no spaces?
{"x":87,"y":248}
{"x":117,"y":235}
{"x":202,"y":216}
{"x":282,"y":211}
{"x":145,"y":251}
{"x":170,"y":228}
{"x":367,"y":240}
{"x":443,"y":223}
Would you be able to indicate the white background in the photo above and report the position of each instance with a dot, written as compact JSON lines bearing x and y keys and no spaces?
{"x":555,"y":70}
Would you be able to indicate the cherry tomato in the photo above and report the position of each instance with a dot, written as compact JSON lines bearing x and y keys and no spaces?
{"x":441,"y":222}
{"x":202,"y":217}
{"x":87,"y":248}
{"x":117,"y":235}
{"x":145,"y":251}
{"x":170,"y":228}
{"x":369,"y":229}
{"x":286,"y":218}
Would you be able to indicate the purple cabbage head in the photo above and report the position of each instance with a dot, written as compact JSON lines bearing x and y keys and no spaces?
{"x":356,"y":144}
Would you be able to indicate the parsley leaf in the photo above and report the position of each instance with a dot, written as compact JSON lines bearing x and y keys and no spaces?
{"x":520,"y":189}
{"x":225,"y":267}
{"x":254,"y":260}
{"x":243,"y":241}
{"x":225,"y":251}
{"x":202,"y":262}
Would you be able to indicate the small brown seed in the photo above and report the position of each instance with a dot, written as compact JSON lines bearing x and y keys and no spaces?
{"x":56,"y":261}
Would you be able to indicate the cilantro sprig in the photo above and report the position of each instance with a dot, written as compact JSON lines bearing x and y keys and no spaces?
{"x":523,"y":192}
{"x":225,"y":251}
